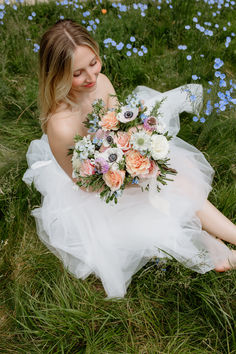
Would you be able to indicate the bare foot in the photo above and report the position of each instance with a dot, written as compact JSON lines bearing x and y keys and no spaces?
{"x":229,"y":264}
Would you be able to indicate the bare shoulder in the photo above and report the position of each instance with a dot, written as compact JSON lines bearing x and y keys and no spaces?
{"x":61,"y":131}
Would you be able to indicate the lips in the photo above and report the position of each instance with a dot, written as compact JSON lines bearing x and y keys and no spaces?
{"x":90,"y":85}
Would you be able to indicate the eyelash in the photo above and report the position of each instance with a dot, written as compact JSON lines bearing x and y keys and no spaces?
{"x":77,"y":75}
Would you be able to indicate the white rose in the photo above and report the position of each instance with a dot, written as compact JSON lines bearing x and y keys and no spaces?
{"x":159,"y":147}
{"x":127,"y":114}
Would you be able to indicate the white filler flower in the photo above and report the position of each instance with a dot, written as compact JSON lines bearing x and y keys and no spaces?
{"x":159,"y":147}
{"x":76,"y":162}
{"x":140,"y":141}
{"x":127,"y":114}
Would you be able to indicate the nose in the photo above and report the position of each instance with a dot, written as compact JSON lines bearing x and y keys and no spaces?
{"x":90,"y":77}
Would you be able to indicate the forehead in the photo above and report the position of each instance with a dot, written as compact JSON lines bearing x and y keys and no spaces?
{"x":82,"y":57}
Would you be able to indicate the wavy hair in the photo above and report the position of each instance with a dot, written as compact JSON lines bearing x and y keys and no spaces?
{"x":56,"y":57}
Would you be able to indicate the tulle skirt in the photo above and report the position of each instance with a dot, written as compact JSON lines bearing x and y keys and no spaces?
{"x":115,"y":241}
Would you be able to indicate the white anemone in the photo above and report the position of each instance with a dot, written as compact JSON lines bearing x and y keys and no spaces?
{"x":127,"y":114}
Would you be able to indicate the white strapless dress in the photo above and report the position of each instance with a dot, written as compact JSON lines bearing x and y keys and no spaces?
{"x":115,"y":241}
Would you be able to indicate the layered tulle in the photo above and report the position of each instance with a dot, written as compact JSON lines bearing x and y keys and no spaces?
{"x":115,"y":241}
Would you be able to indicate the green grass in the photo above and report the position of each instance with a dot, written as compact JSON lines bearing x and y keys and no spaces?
{"x":43,"y":309}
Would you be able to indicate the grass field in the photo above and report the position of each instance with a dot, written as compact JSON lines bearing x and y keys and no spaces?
{"x":160,"y":44}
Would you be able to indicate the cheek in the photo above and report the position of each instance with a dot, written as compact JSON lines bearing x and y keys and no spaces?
{"x":75,"y":82}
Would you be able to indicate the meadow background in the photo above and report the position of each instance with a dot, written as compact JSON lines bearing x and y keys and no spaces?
{"x":167,"y":309}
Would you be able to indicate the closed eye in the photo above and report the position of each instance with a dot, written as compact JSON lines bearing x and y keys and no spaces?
{"x":77,"y":74}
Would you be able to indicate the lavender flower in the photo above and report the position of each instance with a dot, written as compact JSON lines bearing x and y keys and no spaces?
{"x":101,"y":166}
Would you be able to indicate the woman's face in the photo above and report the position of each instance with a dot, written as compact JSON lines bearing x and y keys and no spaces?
{"x":86,"y":67}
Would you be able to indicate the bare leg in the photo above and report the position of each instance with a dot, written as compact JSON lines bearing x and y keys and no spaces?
{"x":216,"y":224}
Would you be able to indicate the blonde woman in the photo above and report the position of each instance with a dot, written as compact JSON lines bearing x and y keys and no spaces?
{"x":114,"y":242}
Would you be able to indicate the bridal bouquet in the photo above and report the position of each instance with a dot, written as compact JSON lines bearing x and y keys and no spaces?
{"x":125,"y":146}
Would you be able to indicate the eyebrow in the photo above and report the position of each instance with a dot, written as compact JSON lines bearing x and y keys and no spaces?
{"x":89,"y":63}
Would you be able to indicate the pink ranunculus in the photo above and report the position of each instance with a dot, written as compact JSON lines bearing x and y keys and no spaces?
{"x":86,"y":168}
{"x":109,"y":121}
{"x":137,"y":164}
{"x":114,"y":179}
{"x":99,"y":134}
{"x":122,"y":140}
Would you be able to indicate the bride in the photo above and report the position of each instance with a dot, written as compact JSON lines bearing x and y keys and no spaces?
{"x":115,"y":241}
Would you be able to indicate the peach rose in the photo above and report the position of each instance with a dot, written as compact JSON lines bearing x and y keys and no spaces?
{"x":153,"y":171}
{"x":109,"y":121}
{"x":114,"y":179}
{"x":86,"y":168}
{"x":122,"y":140}
{"x":136,"y":164}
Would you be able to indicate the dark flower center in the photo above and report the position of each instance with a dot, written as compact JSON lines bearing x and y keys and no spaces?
{"x":109,"y":139}
{"x":128,"y":114}
{"x":112,"y":157}
{"x":98,"y":166}
{"x":152,"y":121}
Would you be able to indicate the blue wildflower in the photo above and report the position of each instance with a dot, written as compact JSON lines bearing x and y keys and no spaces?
{"x":218,"y":63}
{"x":135,"y":50}
{"x":195,"y":19}
{"x":135,"y":180}
{"x":222,"y":83}
{"x":128,"y":53}
{"x":195,"y":118}
{"x":120,"y":46}
{"x":221,"y":95}
{"x":189,"y":57}
{"x":222,"y":76}
{"x":187,"y":27}
{"x":140,"y":53}
{"x":217,"y":74}
{"x":195,"y":77}
{"x":30,"y":18}
{"x":132,"y":39}
{"x":202,"y":120}
{"x":182,"y":47}
{"x":36,"y":47}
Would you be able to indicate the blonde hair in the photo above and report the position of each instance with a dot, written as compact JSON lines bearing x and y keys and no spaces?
{"x":55,"y":74}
